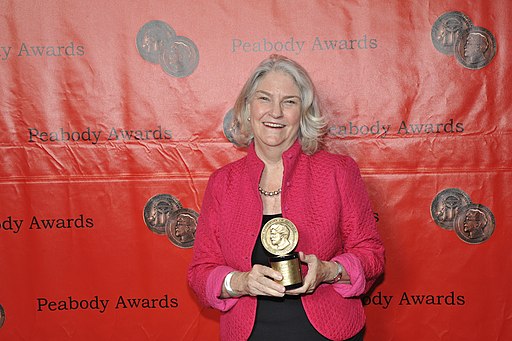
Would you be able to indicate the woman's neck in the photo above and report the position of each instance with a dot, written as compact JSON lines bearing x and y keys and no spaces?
{"x":271,"y":156}
{"x":271,"y":178}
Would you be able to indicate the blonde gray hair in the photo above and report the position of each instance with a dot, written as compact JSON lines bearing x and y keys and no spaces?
{"x":312,"y":123}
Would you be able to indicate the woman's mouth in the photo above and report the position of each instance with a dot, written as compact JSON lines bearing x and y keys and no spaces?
{"x":273,"y":125}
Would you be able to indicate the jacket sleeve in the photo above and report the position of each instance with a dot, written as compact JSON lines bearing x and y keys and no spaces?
{"x":208,"y":268}
{"x":363,"y":250}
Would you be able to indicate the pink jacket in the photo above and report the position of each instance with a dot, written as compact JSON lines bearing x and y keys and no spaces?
{"x":324,"y":196}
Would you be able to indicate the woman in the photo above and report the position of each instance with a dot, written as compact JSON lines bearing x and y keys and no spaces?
{"x":285,"y":174}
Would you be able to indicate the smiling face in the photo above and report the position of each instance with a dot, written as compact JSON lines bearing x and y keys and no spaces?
{"x":275,"y":110}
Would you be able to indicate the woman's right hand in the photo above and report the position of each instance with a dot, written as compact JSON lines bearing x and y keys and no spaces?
{"x":258,"y":282}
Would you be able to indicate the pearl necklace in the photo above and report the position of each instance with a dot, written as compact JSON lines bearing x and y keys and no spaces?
{"x":269,"y":194}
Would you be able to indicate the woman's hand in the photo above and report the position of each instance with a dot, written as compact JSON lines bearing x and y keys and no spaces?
{"x":258,"y":281}
{"x":318,"y":272}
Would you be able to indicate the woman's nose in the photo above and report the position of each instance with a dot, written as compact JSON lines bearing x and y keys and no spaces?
{"x":277,"y":110}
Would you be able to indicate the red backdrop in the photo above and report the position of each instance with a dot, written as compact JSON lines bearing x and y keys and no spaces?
{"x":78,"y":260}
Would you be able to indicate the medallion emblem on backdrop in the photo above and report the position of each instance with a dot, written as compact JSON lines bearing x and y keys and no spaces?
{"x":165,"y":215}
{"x":181,"y":227}
{"x":445,"y":206}
{"x":474,"y":224}
{"x":158,"y":43}
{"x":229,"y":127}
{"x":453,"y":210}
{"x":447,"y":29}
{"x":2,"y":316}
{"x":157,"y":211}
{"x":453,"y":33}
{"x":475,"y":48}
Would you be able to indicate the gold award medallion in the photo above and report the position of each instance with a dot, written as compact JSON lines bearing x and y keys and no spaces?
{"x":279,"y":236}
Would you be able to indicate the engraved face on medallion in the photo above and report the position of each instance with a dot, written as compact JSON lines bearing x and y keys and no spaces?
{"x":447,"y":28}
{"x":158,"y":210}
{"x":474,"y":223}
{"x":180,"y":58}
{"x":181,"y":227}
{"x":445,"y":206}
{"x":475,"y":48}
{"x":151,"y":39}
{"x":279,"y":236}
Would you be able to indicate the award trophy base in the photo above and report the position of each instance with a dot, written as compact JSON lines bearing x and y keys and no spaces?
{"x":289,"y":266}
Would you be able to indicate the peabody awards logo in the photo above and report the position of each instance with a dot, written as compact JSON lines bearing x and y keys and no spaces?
{"x":158,"y":43}
{"x":165,"y":215}
{"x":453,"y":210}
{"x":453,"y":33}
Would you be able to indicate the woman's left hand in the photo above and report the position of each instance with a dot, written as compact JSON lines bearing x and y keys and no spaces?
{"x":318,"y":272}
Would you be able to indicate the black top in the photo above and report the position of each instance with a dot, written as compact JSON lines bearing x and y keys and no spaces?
{"x":279,"y":318}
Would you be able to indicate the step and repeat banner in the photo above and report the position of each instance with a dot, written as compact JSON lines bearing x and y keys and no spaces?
{"x":115,"y":113}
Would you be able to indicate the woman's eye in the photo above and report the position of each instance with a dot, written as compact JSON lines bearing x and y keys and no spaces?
{"x":263,"y":99}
